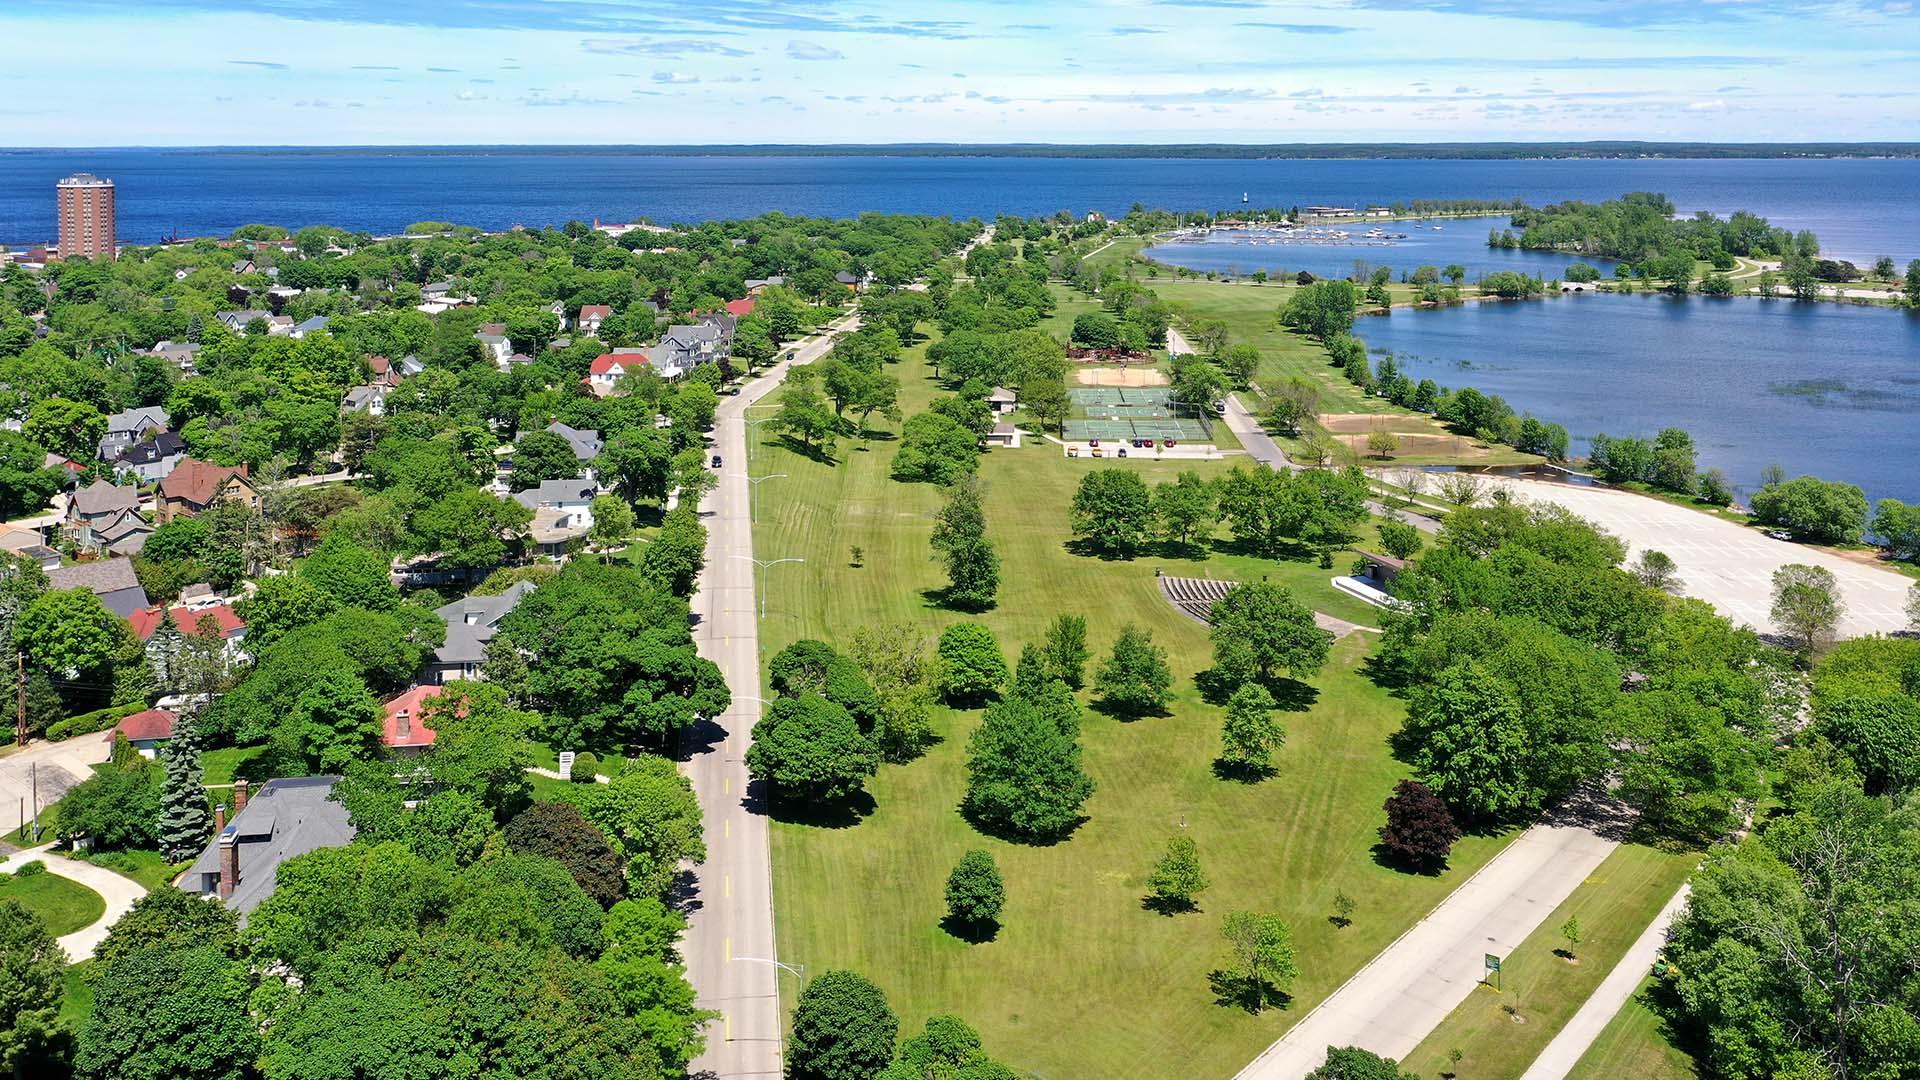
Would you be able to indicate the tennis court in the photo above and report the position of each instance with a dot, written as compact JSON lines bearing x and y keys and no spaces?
{"x":1158,"y":428}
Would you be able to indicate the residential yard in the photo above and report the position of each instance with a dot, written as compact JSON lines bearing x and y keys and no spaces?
{"x":1614,"y":906}
{"x":1082,"y":980}
{"x":64,"y":906}
{"x":1635,"y":1044}
{"x":149,"y":869}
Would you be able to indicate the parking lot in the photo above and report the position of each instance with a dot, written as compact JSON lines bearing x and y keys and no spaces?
{"x":1730,"y":566}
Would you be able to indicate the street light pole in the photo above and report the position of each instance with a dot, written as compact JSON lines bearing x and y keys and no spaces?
{"x":763,"y":564}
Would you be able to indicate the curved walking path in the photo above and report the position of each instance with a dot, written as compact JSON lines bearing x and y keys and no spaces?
{"x":1570,"y":1045}
{"x":119,"y":893}
{"x":1406,"y":990}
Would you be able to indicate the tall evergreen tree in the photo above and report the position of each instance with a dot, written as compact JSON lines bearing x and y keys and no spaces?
{"x":184,"y":820}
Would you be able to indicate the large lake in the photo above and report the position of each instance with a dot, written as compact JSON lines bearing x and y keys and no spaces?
{"x":1860,"y":208}
{"x":1826,"y":389}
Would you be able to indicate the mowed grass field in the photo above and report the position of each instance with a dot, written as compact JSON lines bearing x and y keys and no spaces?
{"x":1082,"y":981}
{"x":63,"y":905}
{"x":1614,"y":906}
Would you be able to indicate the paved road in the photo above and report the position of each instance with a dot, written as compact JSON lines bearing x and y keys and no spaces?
{"x":1726,"y":564}
{"x":729,"y":945}
{"x":1408,"y":988}
{"x":1261,"y":448}
{"x":119,"y":893}
{"x":60,"y":766}
{"x":1570,"y":1045}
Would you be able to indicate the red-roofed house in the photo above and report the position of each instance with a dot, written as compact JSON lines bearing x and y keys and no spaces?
{"x":591,"y":316}
{"x":605,"y":371}
{"x":145,"y":731}
{"x":402,"y":729}
{"x":738,"y":308}
{"x":148,"y":620}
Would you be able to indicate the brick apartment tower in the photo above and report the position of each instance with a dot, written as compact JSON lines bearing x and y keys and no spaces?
{"x":86,"y":216}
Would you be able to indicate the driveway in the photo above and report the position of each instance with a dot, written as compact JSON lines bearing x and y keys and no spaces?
{"x":1728,"y":565}
{"x":119,"y":893}
{"x":51,"y":766}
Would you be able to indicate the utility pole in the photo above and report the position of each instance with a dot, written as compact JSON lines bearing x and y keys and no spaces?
{"x":20,"y":714}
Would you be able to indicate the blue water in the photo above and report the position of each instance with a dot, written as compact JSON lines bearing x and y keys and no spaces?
{"x":1860,"y":208}
{"x":1458,"y":240}
{"x":1827,"y":389}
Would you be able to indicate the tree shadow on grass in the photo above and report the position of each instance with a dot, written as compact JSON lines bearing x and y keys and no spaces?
{"x":970,"y":931}
{"x":1289,"y":695}
{"x":1386,"y":858}
{"x":811,"y":453}
{"x":1167,"y":905}
{"x":1290,"y":551}
{"x":1011,"y":836}
{"x":1242,"y":772}
{"x":826,"y":814}
{"x":1088,"y":549}
{"x":945,"y":600}
{"x":1244,"y":992}
{"x":1123,"y":714}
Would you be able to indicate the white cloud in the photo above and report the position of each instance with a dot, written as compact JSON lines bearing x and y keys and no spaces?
{"x":807,"y":50}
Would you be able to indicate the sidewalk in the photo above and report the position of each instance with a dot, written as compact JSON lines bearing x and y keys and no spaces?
{"x":1568,"y":1047}
{"x":1409,"y":988}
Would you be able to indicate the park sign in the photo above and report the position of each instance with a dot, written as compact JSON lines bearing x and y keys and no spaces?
{"x":566,"y":764}
{"x":1493,"y":962}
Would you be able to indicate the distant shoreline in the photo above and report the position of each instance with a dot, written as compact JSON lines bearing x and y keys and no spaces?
{"x":1435,"y":151}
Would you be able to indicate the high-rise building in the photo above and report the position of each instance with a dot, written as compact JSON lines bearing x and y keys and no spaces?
{"x":86,"y":216}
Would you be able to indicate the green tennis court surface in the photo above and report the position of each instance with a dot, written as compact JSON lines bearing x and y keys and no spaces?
{"x":1179,"y":429}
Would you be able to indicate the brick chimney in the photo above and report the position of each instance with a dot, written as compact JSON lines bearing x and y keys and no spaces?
{"x":219,"y":818}
{"x":239,"y":797}
{"x":229,"y":865}
{"x":403,"y":724}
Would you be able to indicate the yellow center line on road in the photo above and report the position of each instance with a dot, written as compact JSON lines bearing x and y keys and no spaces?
{"x":729,"y":950}
{"x":727,"y":883}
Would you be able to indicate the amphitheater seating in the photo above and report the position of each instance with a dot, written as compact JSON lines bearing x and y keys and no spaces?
{"x":1194,"y":596}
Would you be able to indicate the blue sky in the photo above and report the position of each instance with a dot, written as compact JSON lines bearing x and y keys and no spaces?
{"x":324,"y":72}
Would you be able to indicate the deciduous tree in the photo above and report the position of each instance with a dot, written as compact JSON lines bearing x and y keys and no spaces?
{"x":1135,"y":679}
{"x":843,"y":1029}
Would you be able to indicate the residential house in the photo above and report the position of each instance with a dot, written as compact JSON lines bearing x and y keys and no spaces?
{"x":756,"y":286}
{"x":1002,"y":400}
{"x":591,"y":316}
{"x":383,"y":371}
{"x":314,"y":325}
{"x":739,"y":308}
{"x":499,"y":350}
{"x":237,"y":321}
{"x":145,"y":731}
{"x":725,"y":323}
{"x":112,"y":580}
{"x":194,"y":486}
{"x":284,"y":819}
{"x":28,"y":544}
{"x":410,"y":366}
{"x":471,"y":623}
{"x":123,"y":534}
{"x":180,"y":354}
{"x":585,"y":442}
{"x":603,"y":375}
{"x":153,"y":458}
{"x":279,"y":326}
{"x":371,"y":400}
{"x":126,"y":428}
{"x":562,"y":513}
{"x":401,"y":730}
{"x":95,"y":505}
{"x":188,"y":619}
{"x":437,"y":290}
{"x":243,"y":266}
{"x":558,"y":309}
{"x":279,"y":296}
{"x":849,"y":280}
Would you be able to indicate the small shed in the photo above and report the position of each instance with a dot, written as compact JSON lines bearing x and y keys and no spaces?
{"x":1381,"y":569}
{"x":1004,"y":434}
{"x":1002,"y":400}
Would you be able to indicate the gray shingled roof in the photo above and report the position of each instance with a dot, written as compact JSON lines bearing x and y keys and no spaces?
{"x":101,"y":497}
{"x":112,"y":580}
{"x":555,"y":492}
{"x":585,"y":441}
{"x":472,"y":621}
{"x":284,"y":818}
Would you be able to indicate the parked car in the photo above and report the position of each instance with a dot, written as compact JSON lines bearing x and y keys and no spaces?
{"x":716,"y":461}
{"x":1779,"y":534}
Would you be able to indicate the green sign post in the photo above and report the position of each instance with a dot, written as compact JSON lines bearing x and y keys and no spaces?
{"x":1493,"y":970}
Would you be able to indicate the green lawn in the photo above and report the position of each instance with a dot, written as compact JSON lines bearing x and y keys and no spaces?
{"x":1635,"y":1044}
{"x":64,"y":906}
{"x":149,"y":868}
{"x":1082,"y":981}
{"x":77,"y":1003}
{"x":1614,"y":906}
